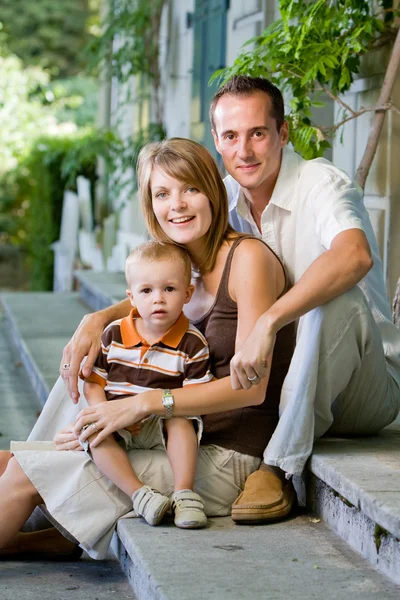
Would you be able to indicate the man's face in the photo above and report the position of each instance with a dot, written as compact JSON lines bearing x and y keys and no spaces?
{"x":247,"y":138}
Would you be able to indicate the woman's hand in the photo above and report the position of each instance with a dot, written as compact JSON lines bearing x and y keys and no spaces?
{"x":85,"y":342}
{"x":252,"y":362}
{"x":107,"y":417}
{"x":67,"y":439}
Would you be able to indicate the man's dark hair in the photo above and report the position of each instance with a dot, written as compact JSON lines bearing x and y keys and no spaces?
{"x":243,"y":85}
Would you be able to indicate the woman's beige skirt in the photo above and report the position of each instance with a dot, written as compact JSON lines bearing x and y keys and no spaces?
{"x":83,"y":503}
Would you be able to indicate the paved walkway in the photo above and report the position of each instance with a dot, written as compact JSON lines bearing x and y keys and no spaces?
{"x":81,"y":580}
{"x":18,"y":404}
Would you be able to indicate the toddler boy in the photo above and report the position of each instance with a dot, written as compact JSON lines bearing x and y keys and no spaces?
{"x":154,"y":347}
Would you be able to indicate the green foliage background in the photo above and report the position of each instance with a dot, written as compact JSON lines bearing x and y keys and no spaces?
{"x":33,"y":192}
{"x":48,"y":106}
{"x":47,"y":33}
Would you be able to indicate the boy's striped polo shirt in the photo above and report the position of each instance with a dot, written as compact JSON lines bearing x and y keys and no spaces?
{"x":128,"y":365}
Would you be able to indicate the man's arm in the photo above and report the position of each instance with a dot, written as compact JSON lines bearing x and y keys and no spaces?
{"x":86,"y":342}
{"x":336,"y":271}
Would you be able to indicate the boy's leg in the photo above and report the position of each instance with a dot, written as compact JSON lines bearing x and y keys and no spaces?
{"x":113,"y":462}
{"x":109,"y":457}
{"x":182,"y":450}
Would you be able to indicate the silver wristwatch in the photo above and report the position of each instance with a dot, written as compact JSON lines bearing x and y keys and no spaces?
{"x":168,"y":403}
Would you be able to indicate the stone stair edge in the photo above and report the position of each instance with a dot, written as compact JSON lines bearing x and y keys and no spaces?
{"x":93,"y":294}
{"x":35,"y":377}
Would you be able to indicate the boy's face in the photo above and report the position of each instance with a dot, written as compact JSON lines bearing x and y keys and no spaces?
{"x":158,"y":289}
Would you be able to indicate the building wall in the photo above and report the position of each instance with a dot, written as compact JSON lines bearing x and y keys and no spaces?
{"x":382,"y":191}
{"x":176,"y":59}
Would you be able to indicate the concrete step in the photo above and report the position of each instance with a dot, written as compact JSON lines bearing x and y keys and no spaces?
{"x":40,"y":325}
{"x":352,"y":485}
{"x":299,"y":559}
{"x":99,"y":290}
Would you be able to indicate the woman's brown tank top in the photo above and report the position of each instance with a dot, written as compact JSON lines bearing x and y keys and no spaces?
{"x":246,"y":430}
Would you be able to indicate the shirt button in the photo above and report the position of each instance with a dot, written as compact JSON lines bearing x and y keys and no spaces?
{"x":146,"y":360}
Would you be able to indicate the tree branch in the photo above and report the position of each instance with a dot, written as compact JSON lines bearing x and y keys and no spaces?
{"x":379,"y":117}
{"x":361,"y":111}
{"x":338,"y":100}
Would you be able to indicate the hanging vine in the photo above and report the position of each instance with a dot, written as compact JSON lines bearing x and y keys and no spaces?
{"x":130,"y":42}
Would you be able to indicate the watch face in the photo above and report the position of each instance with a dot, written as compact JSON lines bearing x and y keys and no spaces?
{"x":168,"y":401}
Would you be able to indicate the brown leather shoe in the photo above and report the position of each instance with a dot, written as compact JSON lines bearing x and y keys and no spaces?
{"x":265,"y":498}
{"x":46,"y":544}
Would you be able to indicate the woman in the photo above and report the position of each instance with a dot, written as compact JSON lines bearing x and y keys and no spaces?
{"x":237,"y":278}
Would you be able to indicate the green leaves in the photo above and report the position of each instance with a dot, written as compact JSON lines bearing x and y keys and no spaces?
{"x":315,"y":47}
{"x":47,"y":33}
{"x":130,"y":39}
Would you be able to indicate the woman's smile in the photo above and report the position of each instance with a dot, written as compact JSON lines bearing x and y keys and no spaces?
{"x":181,"y":220}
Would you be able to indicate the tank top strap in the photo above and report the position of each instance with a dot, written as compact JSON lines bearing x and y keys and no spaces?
{"x":223,"y":288}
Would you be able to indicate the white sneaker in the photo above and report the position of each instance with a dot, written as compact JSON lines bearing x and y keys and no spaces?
{"x":150,"y":504}
{"x":188,"y":510}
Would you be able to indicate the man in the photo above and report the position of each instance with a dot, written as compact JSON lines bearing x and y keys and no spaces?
{"x":345,"y":372}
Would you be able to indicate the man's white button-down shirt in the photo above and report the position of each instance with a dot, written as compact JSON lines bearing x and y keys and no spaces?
{"x":312,"y":202}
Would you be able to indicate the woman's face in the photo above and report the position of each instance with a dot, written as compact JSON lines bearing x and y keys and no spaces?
{"x":183,"y":212}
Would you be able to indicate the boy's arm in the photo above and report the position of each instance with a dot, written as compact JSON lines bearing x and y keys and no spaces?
{"x":94,"y":393}
{"x":86,"y":342}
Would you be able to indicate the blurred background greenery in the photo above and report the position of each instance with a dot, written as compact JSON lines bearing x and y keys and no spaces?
{"x":48,"y":107}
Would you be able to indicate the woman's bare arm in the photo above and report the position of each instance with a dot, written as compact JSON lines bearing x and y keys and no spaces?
{"x":86,"y":342}
{"x":256,"y":280}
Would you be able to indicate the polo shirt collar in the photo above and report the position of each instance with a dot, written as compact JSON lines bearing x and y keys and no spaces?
{"x":130,"y":335}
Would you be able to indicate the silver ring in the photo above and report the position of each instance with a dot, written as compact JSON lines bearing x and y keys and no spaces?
{"x":94,"y":427}
{"x":66,"y":366}
{"x":253,"y":379}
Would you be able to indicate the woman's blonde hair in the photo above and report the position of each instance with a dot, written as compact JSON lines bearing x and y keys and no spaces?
{"x":191,"y":163}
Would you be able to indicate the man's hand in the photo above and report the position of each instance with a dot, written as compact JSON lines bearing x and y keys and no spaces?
{"x":66,"y":439}
{"x":252,"y":362}
{"x":85,"y":342}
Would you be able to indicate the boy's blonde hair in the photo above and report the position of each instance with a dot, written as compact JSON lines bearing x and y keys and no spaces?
{"x":153,"y":251}
{"x":191,"y":163}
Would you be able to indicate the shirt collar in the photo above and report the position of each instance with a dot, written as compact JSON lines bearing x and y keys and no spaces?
{"x":284,"y":193}
{"x":131,"y":337}
{"x":284,"y":190}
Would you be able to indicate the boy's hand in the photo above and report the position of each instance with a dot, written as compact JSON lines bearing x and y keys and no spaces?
{"x":135,"y":428}
{"x":66,"y":439}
